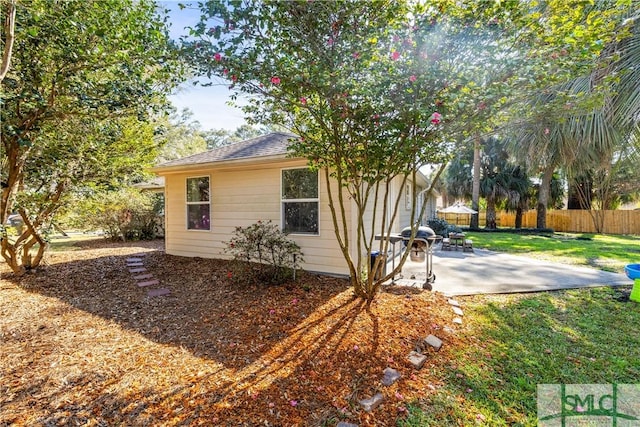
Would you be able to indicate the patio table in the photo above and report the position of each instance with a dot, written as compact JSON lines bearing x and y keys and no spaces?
{"x":457,"y":239}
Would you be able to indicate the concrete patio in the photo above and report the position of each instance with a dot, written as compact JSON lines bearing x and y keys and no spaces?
{"x":487,"y":272}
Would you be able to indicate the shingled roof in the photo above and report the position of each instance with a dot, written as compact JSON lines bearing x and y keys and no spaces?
{"x":273,"y":144}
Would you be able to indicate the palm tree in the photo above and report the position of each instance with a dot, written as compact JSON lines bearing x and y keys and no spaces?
{"x":458,"y":177}
{"x":582,"y":125}
{"x":493,"y":181}
{"x":609,"y":133}
{"x":625,"y":108}
{"x":545,"y":146}
{"x":520,"y":192}
{"x":502,"y":181}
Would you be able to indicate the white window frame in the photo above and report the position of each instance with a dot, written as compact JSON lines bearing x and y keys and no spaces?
{"x":188,"y":203}
{"x":283,"y":201}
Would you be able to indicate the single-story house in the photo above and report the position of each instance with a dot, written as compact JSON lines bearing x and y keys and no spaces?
{"x":208,"y":194}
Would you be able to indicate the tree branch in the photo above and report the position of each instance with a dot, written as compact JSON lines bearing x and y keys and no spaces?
{"x":9,"y":30}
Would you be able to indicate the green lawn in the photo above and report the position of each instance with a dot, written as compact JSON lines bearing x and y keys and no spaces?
{"x":606,"y":252}
{"x":515,"y":342}
{"x":59,"y":243}
{"x":512,"y":343}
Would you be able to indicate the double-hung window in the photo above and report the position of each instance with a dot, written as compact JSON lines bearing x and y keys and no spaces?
{"x":300,"y":201}
{"x":198,"y":203}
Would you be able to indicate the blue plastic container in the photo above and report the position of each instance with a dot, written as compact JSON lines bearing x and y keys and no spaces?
{"x":633,"y":271}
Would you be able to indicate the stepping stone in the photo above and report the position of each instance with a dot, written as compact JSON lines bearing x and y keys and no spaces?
{"x":143,"y":276}
{"x":449,"y":330}
{"x":433,"y":341}
{"x":457,"y":321}
{"x":457,"y":311}
{"x":134,"y":259}
{"x":135,"y":264}
{"x":390,"y":376}
{"x":453,"y":302}
{"x":417,"y":359}
{"x":137,"y":270}
{"x":148,"y":283}
{"x":158,"y":292}
{"x":372,"y":403}
{"x":346,"y":424}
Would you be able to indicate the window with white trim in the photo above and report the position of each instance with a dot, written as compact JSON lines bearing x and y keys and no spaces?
{"x":408,"y":196}
{"x":198,"y":203}
{"x":300,"y":201}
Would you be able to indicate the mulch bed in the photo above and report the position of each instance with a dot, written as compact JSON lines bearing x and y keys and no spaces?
{"x":82,"y":344}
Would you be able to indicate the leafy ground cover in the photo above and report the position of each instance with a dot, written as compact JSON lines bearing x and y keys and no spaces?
{"x":606,"y":252}
{"x":82,"y":344}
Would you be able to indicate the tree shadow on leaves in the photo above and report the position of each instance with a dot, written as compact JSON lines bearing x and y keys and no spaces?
{"x":285,"y":352}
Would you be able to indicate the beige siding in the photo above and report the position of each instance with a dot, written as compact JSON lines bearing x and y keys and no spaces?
{"x":368,"y":216}
{"x":403,"y":218}
{"x":404,"y":214}
{"x":430,"y":211}
{"x":240,"y":196}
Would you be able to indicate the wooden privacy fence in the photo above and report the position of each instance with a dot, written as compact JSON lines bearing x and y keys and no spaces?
{"x":574,"y":221}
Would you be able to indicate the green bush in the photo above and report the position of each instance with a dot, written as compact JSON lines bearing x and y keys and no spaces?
{"x":452,"y":228}
{"x":263,"y":254}
{"x":439,"y":226}
{"x":125,"y":214}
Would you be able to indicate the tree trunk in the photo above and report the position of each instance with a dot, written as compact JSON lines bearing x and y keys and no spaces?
{"x":18,"y":254}
{"x":475,"y":190}
{"x":518,"y":220}
{"x":490,"y":222}
{"x":580,"y":192}
{"x":9,"y":30}
{"x":543,"y":197}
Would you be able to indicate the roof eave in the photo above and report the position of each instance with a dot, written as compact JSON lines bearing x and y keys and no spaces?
{"x":160,"y":170}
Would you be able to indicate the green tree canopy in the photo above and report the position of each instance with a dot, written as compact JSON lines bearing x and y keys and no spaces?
{"x":84,"y":78}
{"x":575,"y":119}
{"x":178,"y":135}
{"x":374,"y":89}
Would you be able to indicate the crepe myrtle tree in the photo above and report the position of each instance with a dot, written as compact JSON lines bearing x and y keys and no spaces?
{"x":83,"y":80}
{"x":370,"y":88}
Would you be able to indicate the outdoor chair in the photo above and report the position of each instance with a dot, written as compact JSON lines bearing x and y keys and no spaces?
{"x":446,"y":244}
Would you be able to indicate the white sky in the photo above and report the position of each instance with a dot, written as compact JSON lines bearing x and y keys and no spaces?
{"x":208,"y":104}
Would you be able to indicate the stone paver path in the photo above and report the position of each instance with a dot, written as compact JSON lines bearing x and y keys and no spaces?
{"x":158,"y":292}
{"x":149,"y":283}
{"x":135,"y":264}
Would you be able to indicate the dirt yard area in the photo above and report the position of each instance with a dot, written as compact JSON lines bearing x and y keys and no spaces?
{"x":82,"y":344}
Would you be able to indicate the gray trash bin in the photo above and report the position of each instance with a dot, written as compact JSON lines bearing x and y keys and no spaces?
{"x":372,"y":259}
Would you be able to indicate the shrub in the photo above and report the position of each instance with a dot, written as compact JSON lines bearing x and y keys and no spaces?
{"x":126,"y":214}
{"x":452,"y":228}
{"x":264,"y":254}
{"x":439,"y":226}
